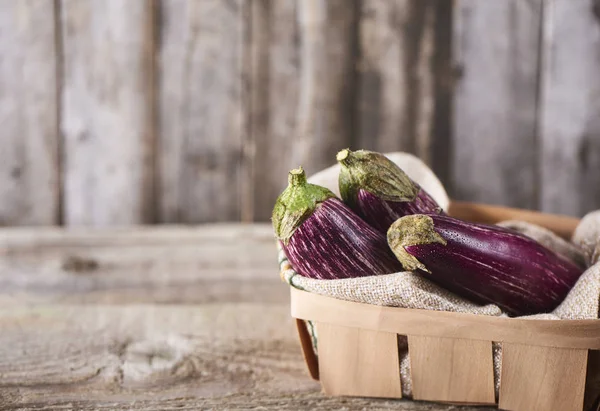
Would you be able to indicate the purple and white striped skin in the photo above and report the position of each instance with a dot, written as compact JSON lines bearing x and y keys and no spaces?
{"x":486,"y":264}
{"x":323,"y":238}
{"x":378,"y":190}
{"x":381,"y":214}
{"x":333,"y":242}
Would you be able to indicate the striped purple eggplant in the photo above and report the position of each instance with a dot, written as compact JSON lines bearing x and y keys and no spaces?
{"x":323,"y":238}
{"x":486,"y":264}
{"x":378,"y":190}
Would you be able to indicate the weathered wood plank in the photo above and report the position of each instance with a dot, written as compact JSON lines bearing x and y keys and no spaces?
{"x":112,"y":352}
{"x":328,"y":30}
{"x":140,"y":265}
{"x":570,"y":125}
{"x":229,"y":352}
{"x":303,"y":401}
{"x":256,"y":111}
{"x":444,"y":74}
{"x":106,"y":111}
{"x":228,"y":356}
{"x":303,"y":88}
{"x":29,"y":166}
{"x":200,"y":110}
{"x":275,"y":92}
{"x":399,"y":96}
{"x":496,"y":45}
{"x":383,"y":84}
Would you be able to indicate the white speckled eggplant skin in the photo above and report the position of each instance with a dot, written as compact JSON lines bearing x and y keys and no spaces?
{"x":334,"y":242}
{"x":380,"y":213}
{"x":491,"y":264}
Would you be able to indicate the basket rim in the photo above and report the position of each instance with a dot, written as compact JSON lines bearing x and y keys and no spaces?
{"x":573,"y":334}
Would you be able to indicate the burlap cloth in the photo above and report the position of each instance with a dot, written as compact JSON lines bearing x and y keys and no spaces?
{"x":410,"y":290}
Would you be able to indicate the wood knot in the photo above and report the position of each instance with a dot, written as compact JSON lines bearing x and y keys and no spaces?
{"x":155,"y":360}
{"x":79,"y":264}
{"x":16,"y":173}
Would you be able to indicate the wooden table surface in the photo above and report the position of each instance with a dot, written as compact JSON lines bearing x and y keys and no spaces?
{"x":153,"y":319}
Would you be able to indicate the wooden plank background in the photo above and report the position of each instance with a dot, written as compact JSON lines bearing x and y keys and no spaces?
{"x":154,"y":318}
{"x":190,"y":111}
{"x":106,"y":111}
{"x":494,"y":135}
{"x":29,"y":138}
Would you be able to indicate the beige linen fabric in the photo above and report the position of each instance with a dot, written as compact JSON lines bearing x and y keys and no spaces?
{"x":586,"y":236}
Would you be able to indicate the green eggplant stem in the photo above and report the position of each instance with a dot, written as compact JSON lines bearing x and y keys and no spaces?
{"x":297,"y":177}
{"x":374,"y":173}
{"x":296,"y":203}
{"x":410,"y":230}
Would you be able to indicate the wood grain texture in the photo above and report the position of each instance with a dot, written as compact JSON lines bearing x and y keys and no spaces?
{"x":294,"y":401}
{"x":257,"y":29}
{"x":570,"y":125}
{"x":444,"y":78}
{"x":275,"y":93}
{"x":115,"y":353}
{"x":29,"y":166}
{"x":216,"y":351}
{"x":398,"y":98}
{"x":451,"y":370}
{"x":140,"y":265}
{"x":542,"y":378}
{"x":496,"y":48}
{"x":201,"y":117}
{"x":357,"y":362}
{"x":328,"y":32}
{"x":106,"y":111}
{"x":194,"y":110}
{"x":302,"y":90}
{"x":384,"y":81}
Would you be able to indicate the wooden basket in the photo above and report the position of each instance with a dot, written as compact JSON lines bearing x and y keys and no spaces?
{"x":544,"y":363}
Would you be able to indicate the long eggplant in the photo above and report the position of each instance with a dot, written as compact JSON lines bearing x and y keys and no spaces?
{"x":380,"y":191}
{"x":484,"y":263}
{"x":323,"y":238}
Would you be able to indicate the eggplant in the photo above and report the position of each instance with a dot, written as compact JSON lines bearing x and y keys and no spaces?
{"x":323,"y":238}
{"x":379,"y":191}
{"x":483,"y":263}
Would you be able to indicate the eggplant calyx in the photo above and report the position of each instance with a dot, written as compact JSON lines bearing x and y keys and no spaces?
{"x":375,"y":173}
{"x":296,"y":203}
{"x":415,"y":229}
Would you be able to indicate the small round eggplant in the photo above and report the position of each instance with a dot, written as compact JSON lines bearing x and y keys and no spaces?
{"x":323,"y":238}
{"x":484,"y":263}
{"x":380,"y":191}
